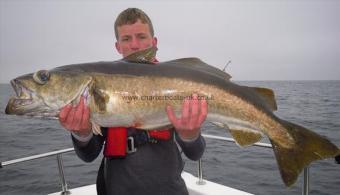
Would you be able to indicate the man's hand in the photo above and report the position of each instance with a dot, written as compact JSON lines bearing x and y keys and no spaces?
{"x":194,"y":112}
{"x":76,"y":118}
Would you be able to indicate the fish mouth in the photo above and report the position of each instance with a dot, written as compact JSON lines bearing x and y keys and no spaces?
{"x":23,"y":93}
{"x":24,"y":97}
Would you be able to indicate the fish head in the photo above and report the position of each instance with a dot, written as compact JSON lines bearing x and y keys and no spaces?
{"x":44,"y":93}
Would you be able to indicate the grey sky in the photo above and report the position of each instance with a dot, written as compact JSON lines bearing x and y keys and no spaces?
{"x":266,"y":40}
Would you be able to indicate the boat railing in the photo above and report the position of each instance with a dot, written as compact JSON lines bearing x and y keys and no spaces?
{"x":65,"y":190}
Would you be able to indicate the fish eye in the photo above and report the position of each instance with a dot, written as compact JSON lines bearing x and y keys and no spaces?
{"x":41,"y":77}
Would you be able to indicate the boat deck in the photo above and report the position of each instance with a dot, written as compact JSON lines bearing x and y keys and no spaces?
{"x":208,"y":188}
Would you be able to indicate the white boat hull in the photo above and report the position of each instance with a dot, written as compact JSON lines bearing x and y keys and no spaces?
{"x":209,"y":188}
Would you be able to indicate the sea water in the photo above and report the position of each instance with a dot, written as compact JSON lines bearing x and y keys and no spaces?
{"x":313,"y":104}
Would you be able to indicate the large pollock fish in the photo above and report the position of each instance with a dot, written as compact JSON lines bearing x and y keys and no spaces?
{"x":133,"y":92}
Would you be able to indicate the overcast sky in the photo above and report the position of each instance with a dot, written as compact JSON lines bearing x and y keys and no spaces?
{"x":265,"y":39}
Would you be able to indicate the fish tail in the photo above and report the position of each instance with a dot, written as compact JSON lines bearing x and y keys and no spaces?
{"x":308,"y":147}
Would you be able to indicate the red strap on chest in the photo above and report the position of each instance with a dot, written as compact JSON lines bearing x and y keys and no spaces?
{"x":115,"y":144}
{"x":160,"y":134}
{"x":116,"y":140}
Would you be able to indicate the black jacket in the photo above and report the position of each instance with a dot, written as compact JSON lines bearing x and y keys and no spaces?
{"x":153,"y":169}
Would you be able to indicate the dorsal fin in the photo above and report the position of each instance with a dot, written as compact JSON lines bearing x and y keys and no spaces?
{"x":268,"y":95}
{"x":143,"y":56}
{"x":198,"y":64}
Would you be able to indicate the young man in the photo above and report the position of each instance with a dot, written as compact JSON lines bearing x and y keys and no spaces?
{"x":156,"y":166}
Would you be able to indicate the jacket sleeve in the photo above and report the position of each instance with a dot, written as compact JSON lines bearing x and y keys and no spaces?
{"x":90,"y":151}
{"x":192,"y":149}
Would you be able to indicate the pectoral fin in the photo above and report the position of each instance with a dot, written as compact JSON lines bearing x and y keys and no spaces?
{"x":100,"y":99}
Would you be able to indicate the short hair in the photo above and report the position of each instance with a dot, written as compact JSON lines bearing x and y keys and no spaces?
{"x":131,"y":16}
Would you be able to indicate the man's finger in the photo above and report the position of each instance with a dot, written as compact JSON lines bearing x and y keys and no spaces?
{"x":171,"y":115}
{"x":194,"y":112}
{"x":204,"y":111}
{"x":69,"y":120}
{"x":85,"y":123}
{"x":64,"y":112}
{"x":185,"y":110}
{"x":78,"y":115}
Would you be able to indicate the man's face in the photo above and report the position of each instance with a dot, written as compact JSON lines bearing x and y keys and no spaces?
{"x":134,"y":37}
